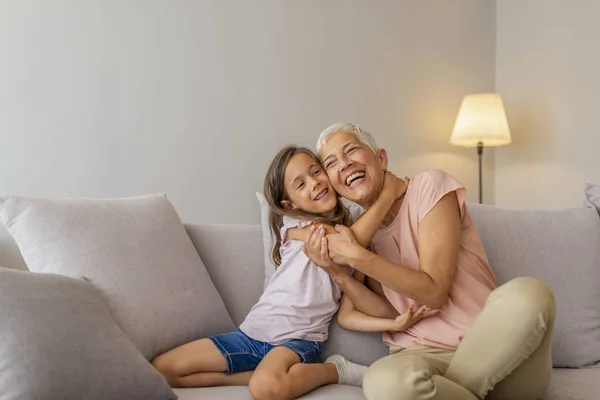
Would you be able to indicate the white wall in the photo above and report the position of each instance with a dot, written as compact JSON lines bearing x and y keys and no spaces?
{"x":104,"y":98}
{"x":548,"y":58}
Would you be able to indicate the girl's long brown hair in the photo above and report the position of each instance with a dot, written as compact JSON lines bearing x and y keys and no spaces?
{"x":275,"y":193}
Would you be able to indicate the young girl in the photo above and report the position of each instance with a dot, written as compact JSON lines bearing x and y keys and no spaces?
{"x":276,"y":349}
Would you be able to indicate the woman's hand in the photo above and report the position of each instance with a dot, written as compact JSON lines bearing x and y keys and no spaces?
{"x":411,"y":317}
{"x":394,"y":186}
{"x":316,"y":250}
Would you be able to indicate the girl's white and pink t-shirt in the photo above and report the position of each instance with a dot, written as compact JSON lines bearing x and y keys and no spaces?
{"x":299,"y":301}
{"x":474,"y":279}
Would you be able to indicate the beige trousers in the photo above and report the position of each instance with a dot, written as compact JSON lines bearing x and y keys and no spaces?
{"x":506,"y":354}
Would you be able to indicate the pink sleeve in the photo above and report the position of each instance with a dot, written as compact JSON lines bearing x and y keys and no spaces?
{"x":432,"y":186}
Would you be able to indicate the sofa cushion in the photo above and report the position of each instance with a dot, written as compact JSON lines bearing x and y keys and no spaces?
{"x":354,"y":209}
{"x":359,"y":347}
{"x":592,"y":195}
{"x":574,"y":384}
{"x":58,"y":341}
{"x":136,"y":251}
{"x":561,"y":248}
{"x":10,"y":257}
{"x":329,"y":392}
{"x":267,"y":238}
{"x":238,"y":276}
{"x":234,"y":259}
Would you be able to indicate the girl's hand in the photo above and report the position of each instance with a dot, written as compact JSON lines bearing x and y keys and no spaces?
{"x":411,"y":317}
{"x":343,"y":247}
{"x":394,"y":186}
{"x":315,"y":249}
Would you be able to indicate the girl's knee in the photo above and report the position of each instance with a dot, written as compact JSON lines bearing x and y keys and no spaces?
{"x":164,"y":365}
{"x":267,"y":386}
{"x":171,"y":368}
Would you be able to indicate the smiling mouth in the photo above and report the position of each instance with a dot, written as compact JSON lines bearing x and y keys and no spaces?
{"x":355,"y":179}
{"x":321,"y":194}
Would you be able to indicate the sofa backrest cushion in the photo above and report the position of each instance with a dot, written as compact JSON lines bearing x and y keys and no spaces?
{"x":561,"y":248}
{"x":233,"y":255}
{"x":233,"y":258}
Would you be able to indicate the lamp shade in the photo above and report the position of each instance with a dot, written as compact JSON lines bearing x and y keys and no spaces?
{"x":481,"y":119}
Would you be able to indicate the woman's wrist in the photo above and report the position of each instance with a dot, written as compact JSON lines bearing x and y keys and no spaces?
{"x":358,"y":256}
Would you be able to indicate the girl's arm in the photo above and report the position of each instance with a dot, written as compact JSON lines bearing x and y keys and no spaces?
{"x":351,"y":319}
{"x":367,"y":225}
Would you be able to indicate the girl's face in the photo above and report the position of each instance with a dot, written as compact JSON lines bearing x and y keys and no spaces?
{"x":307,"y":186}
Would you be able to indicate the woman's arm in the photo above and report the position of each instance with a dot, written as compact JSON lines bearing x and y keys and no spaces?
{"x":439,"y":241}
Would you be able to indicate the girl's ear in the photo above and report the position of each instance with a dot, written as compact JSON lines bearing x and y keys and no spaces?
{"x":287,"y":204}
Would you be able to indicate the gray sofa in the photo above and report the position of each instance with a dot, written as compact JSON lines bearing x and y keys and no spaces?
{"x":549,"y":245}
{"x":560,"y":247}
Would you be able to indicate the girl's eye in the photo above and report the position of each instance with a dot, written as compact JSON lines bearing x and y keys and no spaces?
{"x":317,"y":172}
{"x":301,"y":185}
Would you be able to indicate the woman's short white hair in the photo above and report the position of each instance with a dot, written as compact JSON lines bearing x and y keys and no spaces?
{"x":345,"y":127}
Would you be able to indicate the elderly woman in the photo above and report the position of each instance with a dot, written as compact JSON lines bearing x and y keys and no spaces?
{"x":487,"y":340}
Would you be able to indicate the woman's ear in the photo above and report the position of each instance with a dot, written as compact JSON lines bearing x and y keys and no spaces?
{"x":383,"y":159}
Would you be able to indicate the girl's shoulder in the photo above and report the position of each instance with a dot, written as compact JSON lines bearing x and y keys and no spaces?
{"x":293,"y":222}
{"x":290,"y":223}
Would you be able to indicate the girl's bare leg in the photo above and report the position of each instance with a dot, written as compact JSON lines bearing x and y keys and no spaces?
{"x":197,"y":364}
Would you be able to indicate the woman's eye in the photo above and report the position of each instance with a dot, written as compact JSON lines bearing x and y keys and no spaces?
{"x":330,"y":164}
{"x":352,"y":149}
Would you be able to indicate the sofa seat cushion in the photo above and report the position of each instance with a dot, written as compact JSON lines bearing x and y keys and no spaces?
{"x":329,"y":392}
{"x":574,"y":384}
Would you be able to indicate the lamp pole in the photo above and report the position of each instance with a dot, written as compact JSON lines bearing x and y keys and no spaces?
{"x":480,"y":154}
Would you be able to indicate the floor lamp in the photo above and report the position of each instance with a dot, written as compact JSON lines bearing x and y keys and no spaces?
{"x":481,"y":122}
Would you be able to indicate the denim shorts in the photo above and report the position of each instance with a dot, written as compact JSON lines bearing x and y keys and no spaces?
{"x":243,"y":353}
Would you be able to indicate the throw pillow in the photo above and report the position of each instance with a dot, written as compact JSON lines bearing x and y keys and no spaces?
{"x":592,"y":194}
{"x":135,"y":251}
{"x":60,"y":342}
{"x":354,"y":209}
{"x":266,"y":237}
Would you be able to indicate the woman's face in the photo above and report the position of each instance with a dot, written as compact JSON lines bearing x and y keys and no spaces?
{"x":307,"y":186}
{"x":355,"y":171}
